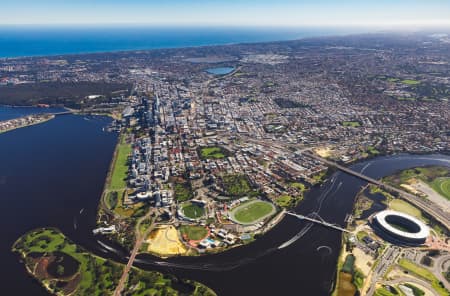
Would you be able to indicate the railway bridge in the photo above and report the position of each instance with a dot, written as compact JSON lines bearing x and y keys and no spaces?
{"x":424,"y":204}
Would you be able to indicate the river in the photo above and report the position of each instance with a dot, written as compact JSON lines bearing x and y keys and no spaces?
{"x":52,"y":174}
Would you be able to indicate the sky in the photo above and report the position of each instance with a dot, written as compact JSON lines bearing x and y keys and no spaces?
{"x":269,"y":13}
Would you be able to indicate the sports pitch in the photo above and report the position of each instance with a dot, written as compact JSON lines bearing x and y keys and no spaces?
{"x":193,"y":211}
{"x":252,"y":212}
{"x":442,"y":186}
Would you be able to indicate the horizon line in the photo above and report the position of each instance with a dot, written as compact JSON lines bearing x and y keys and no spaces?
{"x":413,"y":25}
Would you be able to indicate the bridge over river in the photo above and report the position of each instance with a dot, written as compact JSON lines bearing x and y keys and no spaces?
{"x":424,"y":204}
{"x":319,"y":220}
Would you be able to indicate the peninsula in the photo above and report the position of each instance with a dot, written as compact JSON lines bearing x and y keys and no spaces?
{"x":12,"y":124}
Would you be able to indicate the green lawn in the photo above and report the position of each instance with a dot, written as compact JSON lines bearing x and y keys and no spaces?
{"x":98,"y":276}
{"x":417,"y":291}
{"x":120,"y":170}
{"x":298,"y":186}
{"x":385,"y":292}
{"x":183,"y":192}
{"x":284,"y":201}
{"x":361,"y":234}
{"x":410,"y":82}
{"x":212,"y":153}
{"x":441,"y":186}
{"x":423,"y":273}
{"x":436,"y":177}
{"x":351,"y":123}
{"x":405,"y":207}
{"x":193,"y":232}
{"x":252,"y":212}
{"x":193,"y":211}
{"x":372,"y":150}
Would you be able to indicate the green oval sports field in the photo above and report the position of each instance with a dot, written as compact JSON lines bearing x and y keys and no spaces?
{"x":442,"y":186}
{"x":252,"y":212}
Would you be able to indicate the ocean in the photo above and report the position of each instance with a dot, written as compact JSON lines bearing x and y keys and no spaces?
{"x":21,"y":41}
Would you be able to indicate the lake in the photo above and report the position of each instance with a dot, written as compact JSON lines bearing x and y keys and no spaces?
{"x":220,"y":70}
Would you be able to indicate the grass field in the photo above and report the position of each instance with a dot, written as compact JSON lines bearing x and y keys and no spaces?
{"x":193,"y":232}
{"x":438,"y":178}
{"x":298,"y":186}
{"x":423,"y":273}
{"x":405,"y":207}
{"x":441,"y":186}
{"x":351,"y":123}
{"x":193,"y":211}
{"x":385,"y":292}
{"x":96,"y":276}
{"x":252,"y":212}
{"x":410,"y":82}
{"x":284,"y":201}
{"x":120,"y":169}
{"x":212,"y":153}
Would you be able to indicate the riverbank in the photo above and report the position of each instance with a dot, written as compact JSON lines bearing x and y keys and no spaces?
{"x":367,"y":263}
{"x":13,"y":124}
{"x":64,"y":268}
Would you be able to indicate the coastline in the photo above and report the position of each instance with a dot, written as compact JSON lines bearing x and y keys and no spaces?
{"x":246,"y":35}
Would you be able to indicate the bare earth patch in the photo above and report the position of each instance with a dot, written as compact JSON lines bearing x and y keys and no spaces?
{"x":165,"y":242}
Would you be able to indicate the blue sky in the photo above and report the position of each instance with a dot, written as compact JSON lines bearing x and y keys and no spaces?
{"x":228,"y":12}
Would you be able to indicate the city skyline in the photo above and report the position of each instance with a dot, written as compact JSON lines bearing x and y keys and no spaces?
{"x":230,"y":13}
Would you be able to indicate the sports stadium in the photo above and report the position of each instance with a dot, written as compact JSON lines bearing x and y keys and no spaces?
{"x":400,"y":227}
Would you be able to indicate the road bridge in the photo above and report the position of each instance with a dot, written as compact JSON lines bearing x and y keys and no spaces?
{"x":61,"y":113}
{"x":424,"y":204}
{"x":318,"y":221}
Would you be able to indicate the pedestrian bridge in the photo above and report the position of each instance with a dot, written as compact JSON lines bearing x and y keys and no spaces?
{"x":318,"y":220}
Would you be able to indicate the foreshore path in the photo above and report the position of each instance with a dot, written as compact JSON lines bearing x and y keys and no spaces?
{"x":139,"y":240}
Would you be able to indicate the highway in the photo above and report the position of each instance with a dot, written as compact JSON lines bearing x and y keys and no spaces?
{"x":140,"y":238}
{"x":388,"y":258}
{"x":424,"y":204}
{"x":405,"y":279}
